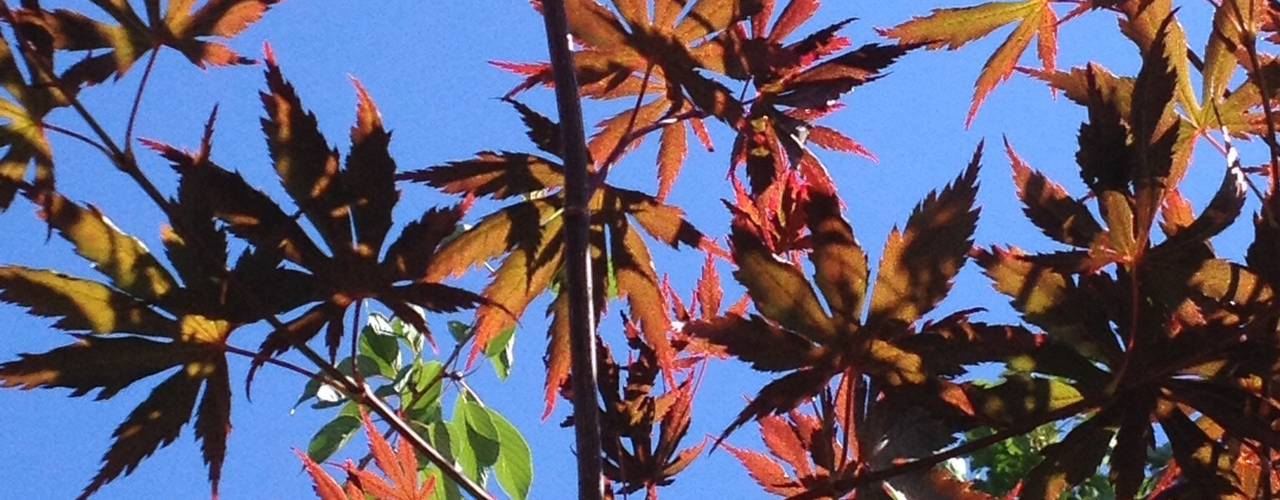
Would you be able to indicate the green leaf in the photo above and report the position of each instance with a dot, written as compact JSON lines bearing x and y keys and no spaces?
{"x":515,"y":459}
{"x":501,"y":352}
{"x":439,"y":433}
{"x":413,"y":337}
{"x":460,"y":331}
{"x":482,"y":435}
{"x":335,"y":434}
{"x":463,"y":453}
{"x":422,"y":393}
{"x":382,"y":349}
{"x":120,"y":256}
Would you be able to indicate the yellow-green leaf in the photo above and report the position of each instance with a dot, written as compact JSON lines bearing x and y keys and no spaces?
{"x":109,"y":364}
{"x":81,"y":305}
{"x":120,"y":256}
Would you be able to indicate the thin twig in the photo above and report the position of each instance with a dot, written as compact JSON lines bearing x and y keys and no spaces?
{"x":137,"y":101}
{"x":125,"y":162}
{"x":364,"y":394}
{"x":355,"y":343}
{"x":582,"y":336}
{"x":273,"y":361}
{"x":77,"y":136}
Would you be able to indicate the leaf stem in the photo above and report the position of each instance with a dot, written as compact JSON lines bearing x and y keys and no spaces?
{"x":273,"y":361}
{"x":123,"y":161}
{"x":577,"y":266}
{"x":77,"y":136}
{"x":137,"y":101}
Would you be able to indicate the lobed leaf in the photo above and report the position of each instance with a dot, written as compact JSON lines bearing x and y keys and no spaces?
{"x":1050,"y":207}
{"x":213,"y":420}
{"x":120,"y":256}
{"x":108,"y":364}
{"x":921,"y":260}
{"x":766,"y":472}
{"x":754,"y":340}
{"x":779,"y":290}
{"x":638,"y":284}
{"x":81,"y":305}
{"x":304,"y":161}
{"x":153,"y":424}
{"x":500,"y":175}
{"x":370,"y":176}
{"x":840,"y":264}
{"x":1069,"y":462}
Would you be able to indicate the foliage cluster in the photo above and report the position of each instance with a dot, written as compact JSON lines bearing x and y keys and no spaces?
{"x":1136,"y":337}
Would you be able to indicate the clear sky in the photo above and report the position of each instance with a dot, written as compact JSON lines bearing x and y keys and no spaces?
{"x":425,"y":63}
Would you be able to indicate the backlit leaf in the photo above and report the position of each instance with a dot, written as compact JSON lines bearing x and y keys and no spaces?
{"x":370,"y":175}
{"x":779,"y":290}
{"x":921,"y":260}
{"x":500,"y":175}
{"x":181,"y":26}
{"x":81,"y":305}
{"x":1050,"y":207}
{"x":756,"y":341}
{"x":840,"y":264}
{"x":954,"y":27}
{"x":1069,"y":462}
{"x":767,"y":473}
{"x":153,"y":424}
{"x":514,"y":469}
{"x":121,"y":257}
{"x":304,"y":161}
{"x":109,"y":364}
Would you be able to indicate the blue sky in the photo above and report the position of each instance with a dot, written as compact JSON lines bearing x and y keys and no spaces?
{"x":425,"y":63}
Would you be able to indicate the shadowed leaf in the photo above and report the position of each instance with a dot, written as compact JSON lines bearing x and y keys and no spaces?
{"x":153,"y":424}
{"x":921,"y":260}
{"x":81,"y":305}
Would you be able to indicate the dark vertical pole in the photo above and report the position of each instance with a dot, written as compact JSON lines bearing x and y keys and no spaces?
{"x":586,"y":417}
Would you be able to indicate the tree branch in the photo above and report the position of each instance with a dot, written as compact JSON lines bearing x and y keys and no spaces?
{"x":586,"y":416}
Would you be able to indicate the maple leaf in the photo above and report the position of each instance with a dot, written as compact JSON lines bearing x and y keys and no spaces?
{"x":628,"y":54}
{"x":180,"y":25}
{"x":142,"y":324}
{"x":830,"y":450}
{"x":794,"y":333}
{"x":349,"y":207}
{"x":398,"y":465}
{"x":953,"y":28}
{"x":23,"y":135}
{"x":1153,"y":359}
{"x":633,"y":411}
{"x":528,"y":233}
